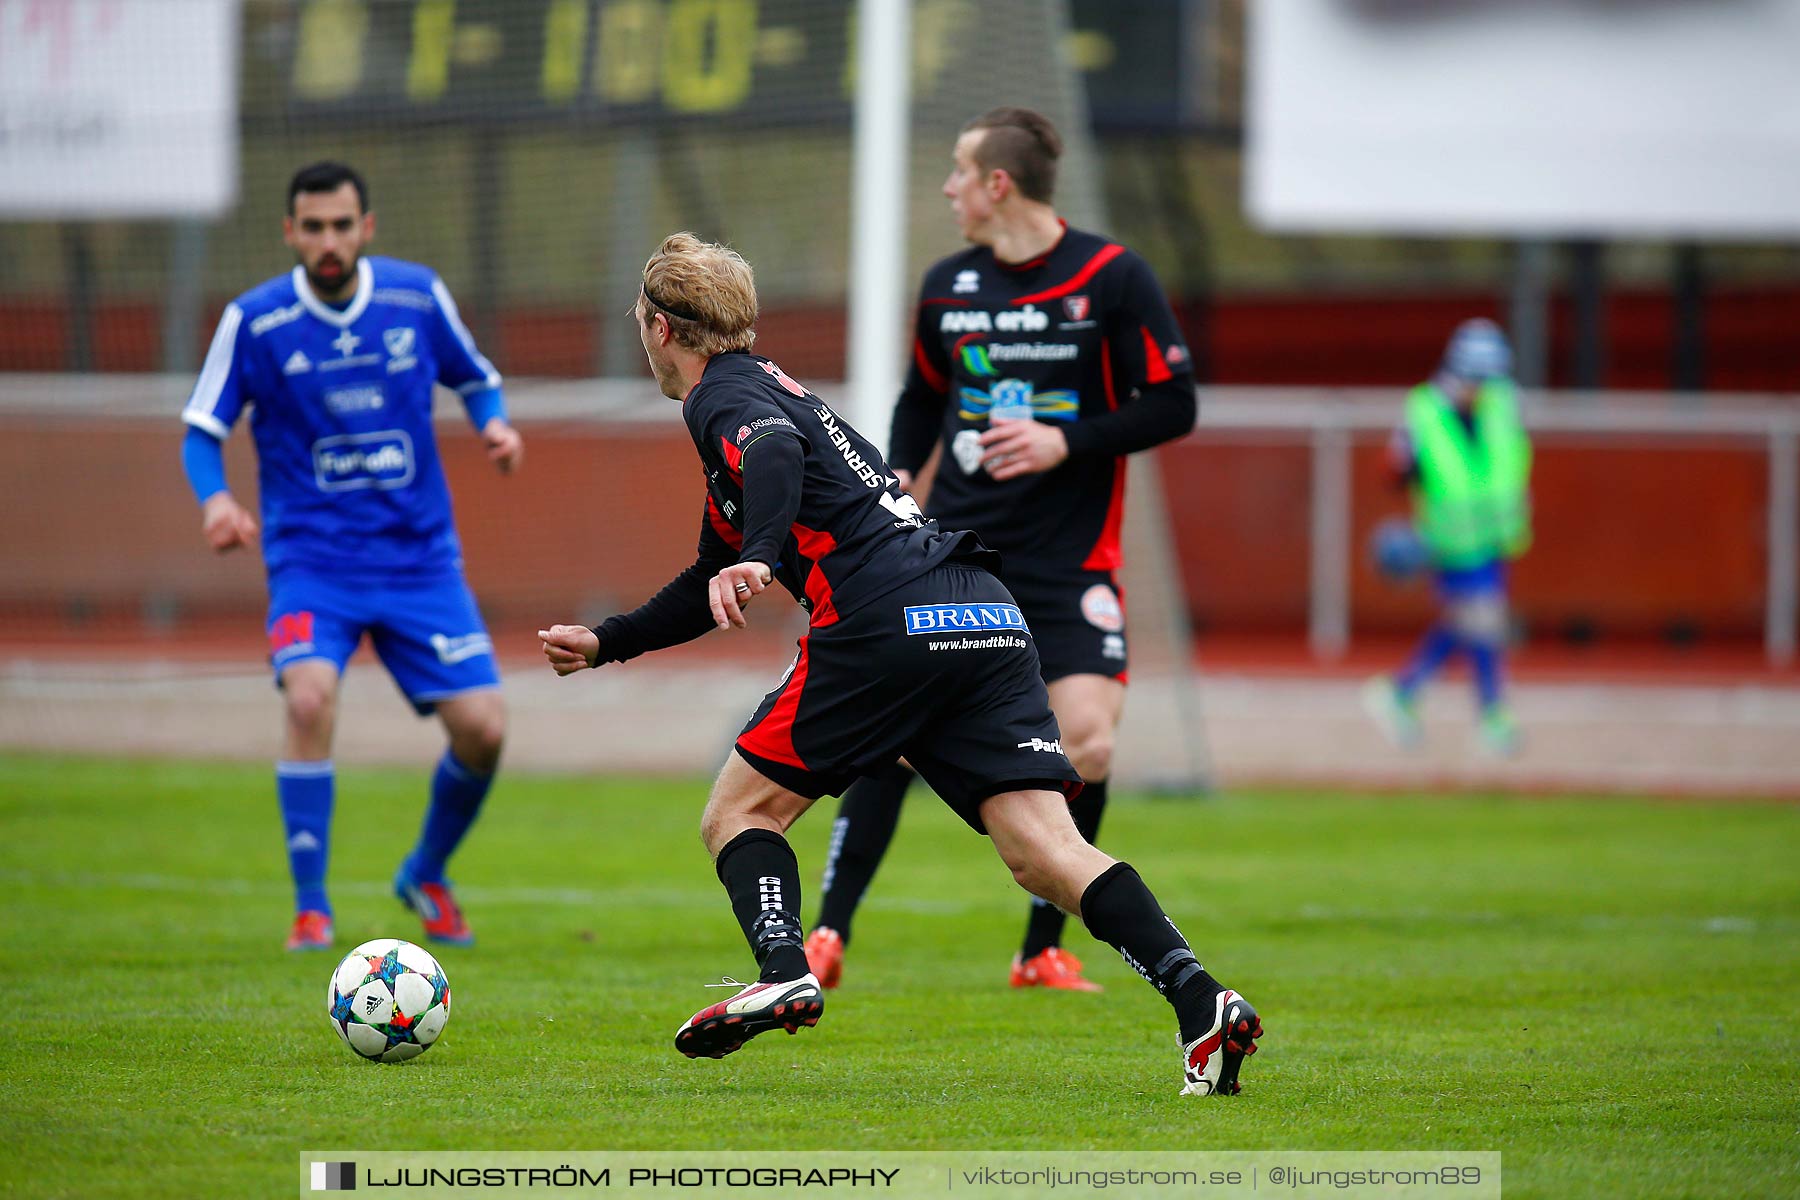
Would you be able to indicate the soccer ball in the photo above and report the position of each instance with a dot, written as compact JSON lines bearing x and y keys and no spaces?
{"x":1399,"y":552}
{"x":388,"y":1000}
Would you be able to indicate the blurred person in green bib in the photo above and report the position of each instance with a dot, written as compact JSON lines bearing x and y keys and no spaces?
{"x":1464,"y":457}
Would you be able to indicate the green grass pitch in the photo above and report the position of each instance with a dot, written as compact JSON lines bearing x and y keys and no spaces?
{"x":1603,"y":990}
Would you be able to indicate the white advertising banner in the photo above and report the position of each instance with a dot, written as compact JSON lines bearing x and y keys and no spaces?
{"x":118,"y":108}
{"x":1653,"y":118}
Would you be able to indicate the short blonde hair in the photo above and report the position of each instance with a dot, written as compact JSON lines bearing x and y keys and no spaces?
{"x":707,"y":292}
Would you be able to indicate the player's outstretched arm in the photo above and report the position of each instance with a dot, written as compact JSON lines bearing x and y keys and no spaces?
{"x":676,"y":614}
{"x":570,"y":648}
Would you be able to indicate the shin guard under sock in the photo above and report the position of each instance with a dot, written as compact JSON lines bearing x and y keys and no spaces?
{"x":762,"y":878}
{"x":1120,"y":910}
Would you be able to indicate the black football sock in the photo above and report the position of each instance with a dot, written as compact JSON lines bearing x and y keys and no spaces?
{"x":1044,"y":927}
{"x":859,"y":837}
{"x":762,"y":878}
{"x":1120,"y":911}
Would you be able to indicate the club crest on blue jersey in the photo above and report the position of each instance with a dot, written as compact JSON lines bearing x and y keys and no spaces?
{"x":962,"y":618}
{"x":401,"y":344}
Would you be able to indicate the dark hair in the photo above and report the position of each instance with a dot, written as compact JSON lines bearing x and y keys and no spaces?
{"x":326,"y":176}
{"x":1023,"y":143}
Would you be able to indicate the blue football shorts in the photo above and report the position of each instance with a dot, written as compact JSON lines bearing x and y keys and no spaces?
{"x":1472,"y":583}
{"x":425,"y":629}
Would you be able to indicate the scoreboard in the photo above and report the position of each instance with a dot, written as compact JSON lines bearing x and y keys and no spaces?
{"x":757,"y":62}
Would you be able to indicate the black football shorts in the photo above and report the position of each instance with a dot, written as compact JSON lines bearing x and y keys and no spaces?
{"x":1078,"y":622}
{"x":942,"y":669}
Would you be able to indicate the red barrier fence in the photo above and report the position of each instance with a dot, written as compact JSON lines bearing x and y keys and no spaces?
{"x":1636,"y":536}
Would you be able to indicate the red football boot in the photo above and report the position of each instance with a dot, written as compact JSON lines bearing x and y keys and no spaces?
{"x":825,"y":955}
{"x":1052,"y":968}
{"x":312,"y":931}
{"x":437,"y":908}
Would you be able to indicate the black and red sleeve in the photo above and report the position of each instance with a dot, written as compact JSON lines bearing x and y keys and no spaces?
{"x":774,"y":467}
{"x":919,"y":413}
{"x":766,"y":452}
{"x":1149,"y":375}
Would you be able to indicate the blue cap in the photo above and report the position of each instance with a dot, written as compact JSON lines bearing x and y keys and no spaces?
{"x":1478,"y":350}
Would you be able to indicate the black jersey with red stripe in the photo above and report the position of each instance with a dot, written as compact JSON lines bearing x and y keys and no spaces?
{"x":855,"y":534}
{"x":853,"y":537}
{"x":1085,"y":334}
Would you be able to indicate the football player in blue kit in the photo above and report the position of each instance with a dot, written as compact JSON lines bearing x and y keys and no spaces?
{"x":336,"y":361}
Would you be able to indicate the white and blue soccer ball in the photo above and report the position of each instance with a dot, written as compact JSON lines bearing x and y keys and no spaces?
{"x":388,"y":1000}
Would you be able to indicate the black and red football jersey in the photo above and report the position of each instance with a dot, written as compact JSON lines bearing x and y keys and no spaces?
{"x":1086,"y":336}
{"x":855,"y":534}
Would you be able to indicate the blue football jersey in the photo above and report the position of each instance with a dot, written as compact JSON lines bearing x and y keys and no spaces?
{"x":340,"y":411}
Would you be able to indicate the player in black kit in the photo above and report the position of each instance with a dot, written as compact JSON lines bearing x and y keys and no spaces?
{"x":1071,"y":332}
{"x":913,"y":648}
